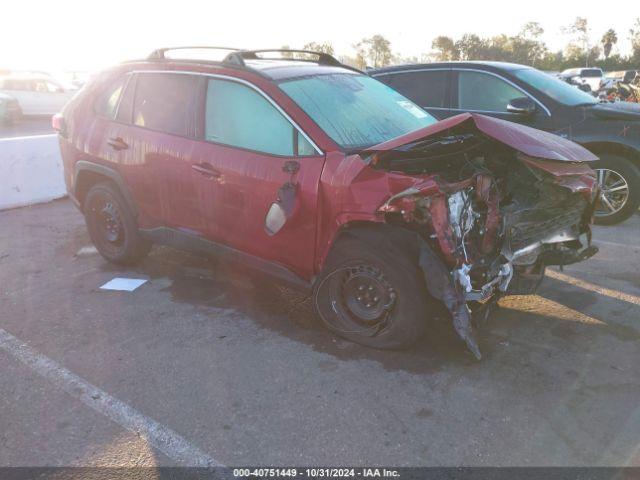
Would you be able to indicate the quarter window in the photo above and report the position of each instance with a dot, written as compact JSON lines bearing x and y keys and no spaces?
{"x":484,"y":92}
{"x":125,"y":108}
{"x":108,"y":102}
{"x":427,"y":88}
{"x":239,"y":116}
{"x":166,"y":103}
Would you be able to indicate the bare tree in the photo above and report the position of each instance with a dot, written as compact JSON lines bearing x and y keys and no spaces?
{"x":376,"y":49}
{"x":324,"y":47}
{"x":579,"y":29}
{"x":531,"y":31}
{"x":634,"y":36}
{"x":609,"y":39}
{"x":446,"y":48}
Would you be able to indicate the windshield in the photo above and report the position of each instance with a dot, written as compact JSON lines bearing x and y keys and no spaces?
{"x":356,"y":111}
{"x":557,"y":89}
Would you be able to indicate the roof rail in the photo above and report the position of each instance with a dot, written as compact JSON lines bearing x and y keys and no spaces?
{"x":236,"y":56}
{"x":240,"y":56}
{"x":159,"y":54}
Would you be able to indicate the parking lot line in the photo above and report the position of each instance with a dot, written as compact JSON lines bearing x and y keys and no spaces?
{"x":593,"y":288}
{"x":161,"y":437}
{"x":26,"y":137}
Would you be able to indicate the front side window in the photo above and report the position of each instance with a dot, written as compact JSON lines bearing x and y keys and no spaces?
{"x":238,"y":116}
{"x":166,"y":103}
{"x":356,"y":111}
{"x":483,"y":92}
{"x":427,"y":88}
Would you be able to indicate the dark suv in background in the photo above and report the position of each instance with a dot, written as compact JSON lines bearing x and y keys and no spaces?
{"x":525,"y":95}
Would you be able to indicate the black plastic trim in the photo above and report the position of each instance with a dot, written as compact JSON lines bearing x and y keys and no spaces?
{"x":87,"y":166}
{"x":194,"y":243}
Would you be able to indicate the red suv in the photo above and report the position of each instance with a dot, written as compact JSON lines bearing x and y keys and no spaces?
{"x":328,"y":180}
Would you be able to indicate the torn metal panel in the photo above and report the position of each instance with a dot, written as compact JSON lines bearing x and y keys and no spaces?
{"x":441,"y":287}
{"x":491,"y":202}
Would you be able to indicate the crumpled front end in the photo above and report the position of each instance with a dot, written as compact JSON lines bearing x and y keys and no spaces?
{"x":490,"y":216}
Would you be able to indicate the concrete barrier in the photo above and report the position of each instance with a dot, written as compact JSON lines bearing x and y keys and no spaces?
{"x":30,"y":171}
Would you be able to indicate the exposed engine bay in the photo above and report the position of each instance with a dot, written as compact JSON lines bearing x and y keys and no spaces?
{"x":490,"y":215}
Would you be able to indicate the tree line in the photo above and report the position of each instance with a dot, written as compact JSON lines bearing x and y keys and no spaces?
{"x":526,"y":47}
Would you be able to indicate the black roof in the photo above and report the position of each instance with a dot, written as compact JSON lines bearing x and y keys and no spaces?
{"x":470,"y":64}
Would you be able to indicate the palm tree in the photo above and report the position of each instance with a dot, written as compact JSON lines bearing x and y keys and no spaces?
{"x":609,"y":39}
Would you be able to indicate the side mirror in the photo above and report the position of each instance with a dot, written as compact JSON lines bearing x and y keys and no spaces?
{"x":282,"y":209}
{"x":522,"y":105}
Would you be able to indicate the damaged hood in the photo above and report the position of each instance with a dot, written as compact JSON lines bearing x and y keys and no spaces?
{"x":531,"y":142}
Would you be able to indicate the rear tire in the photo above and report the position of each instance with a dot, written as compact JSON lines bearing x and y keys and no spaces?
{"x":372,"y":296}
{"x":617,"y":205}
{"x":112,"y":227}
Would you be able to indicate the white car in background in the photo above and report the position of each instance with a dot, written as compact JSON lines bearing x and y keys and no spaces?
{"x":36,"y":95}
{"x":593,"y":77}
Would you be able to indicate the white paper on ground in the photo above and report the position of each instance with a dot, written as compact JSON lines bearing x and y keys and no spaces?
{"x":123,"y":284}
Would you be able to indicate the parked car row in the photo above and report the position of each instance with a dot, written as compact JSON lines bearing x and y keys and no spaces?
{"x":591,"y":78}
{"x":32,"y":95}
{"x":612,"y":86}
{"x":333,"y":182}
{"x":9,"y":109}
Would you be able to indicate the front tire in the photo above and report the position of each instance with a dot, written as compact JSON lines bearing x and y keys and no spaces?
{"x":112,"y":227}
{"x":619,"y":182}
{"x":372,"y":296}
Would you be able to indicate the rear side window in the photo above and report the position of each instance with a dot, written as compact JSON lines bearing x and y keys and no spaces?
{"x":483,"y":92}
{"x":427,"y":88}
{"x":239,"y":116}
{"x":166,"y":103}
{"x":108,"y":102}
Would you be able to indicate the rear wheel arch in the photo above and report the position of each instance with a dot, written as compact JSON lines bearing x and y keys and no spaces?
{"x":89,"y":173}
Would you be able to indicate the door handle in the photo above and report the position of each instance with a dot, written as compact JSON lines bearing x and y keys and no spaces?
{"x":118,"y":144}
{"x":206,"y":169}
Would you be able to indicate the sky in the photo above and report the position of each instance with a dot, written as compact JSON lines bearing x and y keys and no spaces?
{"x":89,"y":35}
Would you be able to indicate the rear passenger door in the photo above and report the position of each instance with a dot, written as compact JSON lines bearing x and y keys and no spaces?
{"x":431,"y":88}
{"x":155,"y":136}
{"x":247,"y":142}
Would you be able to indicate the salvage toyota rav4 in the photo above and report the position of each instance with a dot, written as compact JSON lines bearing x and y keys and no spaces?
{"x":330,"y":181}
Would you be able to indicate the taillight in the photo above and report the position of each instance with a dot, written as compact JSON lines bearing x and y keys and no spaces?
{"x":58,"y":124}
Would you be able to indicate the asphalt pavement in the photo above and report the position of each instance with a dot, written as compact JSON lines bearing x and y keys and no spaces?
{"x":205,"y":362}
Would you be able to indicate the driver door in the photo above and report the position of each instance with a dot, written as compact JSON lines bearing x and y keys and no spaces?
{"x":246,"y":155}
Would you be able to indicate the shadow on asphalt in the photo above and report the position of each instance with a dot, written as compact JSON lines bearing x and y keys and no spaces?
{"x":204,"y":281}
